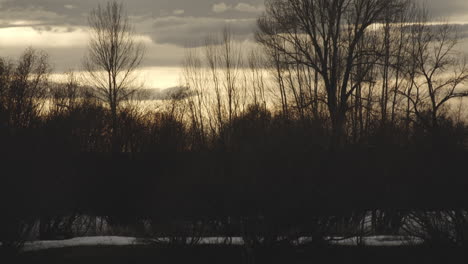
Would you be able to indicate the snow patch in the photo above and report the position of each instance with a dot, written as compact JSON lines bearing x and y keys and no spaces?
{"x":378,"y":241}
{"x":81,"y":241}
{"x":374,"y":241}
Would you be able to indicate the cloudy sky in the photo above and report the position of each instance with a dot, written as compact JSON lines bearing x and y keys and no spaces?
{"x":166,"y":27}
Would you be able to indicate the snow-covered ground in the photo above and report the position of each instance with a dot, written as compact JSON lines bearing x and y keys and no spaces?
{"x":379,"y":241}
{"x":386,"y":241}
{"x":81,"y":241}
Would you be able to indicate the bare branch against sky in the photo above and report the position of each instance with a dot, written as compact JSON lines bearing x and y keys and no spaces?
{"x":166,"y":27}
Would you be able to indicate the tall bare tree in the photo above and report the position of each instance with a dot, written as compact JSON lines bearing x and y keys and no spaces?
{"x":438,"y":72}
{"x":113,"y":56}
{"x":324,"y":36}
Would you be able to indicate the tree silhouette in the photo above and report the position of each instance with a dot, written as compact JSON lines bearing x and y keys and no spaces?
{"x":325,"y":35}
{"x":114,"y":55}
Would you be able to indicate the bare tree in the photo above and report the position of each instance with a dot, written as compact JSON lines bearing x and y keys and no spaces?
{"x":324,"y":35}
{"x":217,"y":82}
{"x":224,"y":60}
{"x":195,"y":78}
{"x":277,"y":66}
{"x":255,"y":63}
{"x":438,"y":71}
{"x":65,"y":96}
{"x":24,"y":87}
{"x":231,"y":62}
{"x":113,"y":56}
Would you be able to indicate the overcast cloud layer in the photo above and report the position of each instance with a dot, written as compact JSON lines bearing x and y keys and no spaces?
{"x":166,"y":26}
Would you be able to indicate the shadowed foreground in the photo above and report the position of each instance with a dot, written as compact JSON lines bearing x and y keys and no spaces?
{"x":235,"y":254}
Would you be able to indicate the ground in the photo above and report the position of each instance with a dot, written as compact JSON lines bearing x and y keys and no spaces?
{"x":208,"y":254}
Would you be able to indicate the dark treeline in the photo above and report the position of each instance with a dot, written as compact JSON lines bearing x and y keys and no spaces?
{"x":339,"y":124}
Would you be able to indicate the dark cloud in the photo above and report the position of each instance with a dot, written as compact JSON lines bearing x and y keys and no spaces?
{"x":191,"y":31}
{"x":177,"y":93}
{"x":169,"y":24}
{"x":457,"y":30}
{"x":445,"y":8}
{"x":200,"y":8}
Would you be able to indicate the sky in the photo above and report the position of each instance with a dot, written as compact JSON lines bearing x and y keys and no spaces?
{"x":166,"y":27}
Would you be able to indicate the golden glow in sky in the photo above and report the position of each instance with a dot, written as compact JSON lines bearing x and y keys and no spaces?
{"x":69,"y":45}
{"x":28,"y":36}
